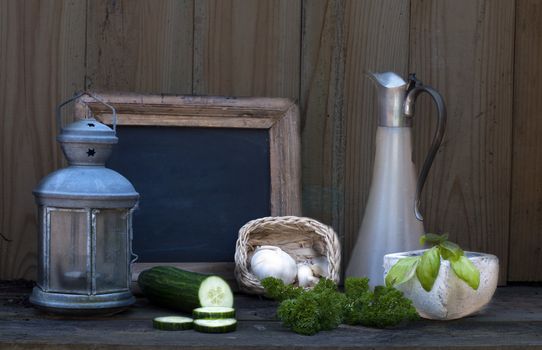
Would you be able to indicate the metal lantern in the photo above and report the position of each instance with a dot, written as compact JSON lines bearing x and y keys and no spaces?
{"x":85,"y":225}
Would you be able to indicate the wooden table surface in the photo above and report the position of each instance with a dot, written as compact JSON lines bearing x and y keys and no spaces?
{"x":512,"y":321}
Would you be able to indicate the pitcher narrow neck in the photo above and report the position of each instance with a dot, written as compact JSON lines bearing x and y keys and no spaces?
{"x":391,"y":108}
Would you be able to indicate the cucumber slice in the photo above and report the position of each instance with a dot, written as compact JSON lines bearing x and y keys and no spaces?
{"x":172,"y":323}
{"x":215,"y":326}
{"x":214,"y":291}
{"x":215,"y":312}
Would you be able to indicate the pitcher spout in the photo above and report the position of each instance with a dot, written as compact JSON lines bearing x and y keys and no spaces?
{"x":387,"y":80}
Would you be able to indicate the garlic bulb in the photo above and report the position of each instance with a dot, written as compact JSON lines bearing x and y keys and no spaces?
{"x":305,"y":278}
{"x":320,"y":266}
{"x":271,"y":261}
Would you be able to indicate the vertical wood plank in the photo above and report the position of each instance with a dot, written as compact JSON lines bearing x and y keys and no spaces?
{"x":526,"y":211}
{"x":322,"y":77}
{"x":376,"y":40}
{"x":285,"y":144}
{"x":464,"y":49}
{"x":247,"y":47}
{"x":140,"y":45}
{"x":41,"y":63}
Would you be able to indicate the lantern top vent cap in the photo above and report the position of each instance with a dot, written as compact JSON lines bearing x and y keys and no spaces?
{"x":87,"y":131}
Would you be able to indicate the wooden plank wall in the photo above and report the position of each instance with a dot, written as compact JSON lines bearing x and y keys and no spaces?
{"x":143,"y":46}
{"x":470,"y":62}
{"x":42,"y":60}
{"x":483,"y":56}
{"x":322,"y":124}
{"x":247,"y":48}
{"x":526,"y":189}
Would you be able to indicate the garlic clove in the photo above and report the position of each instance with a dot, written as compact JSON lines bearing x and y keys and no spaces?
{"x":305,"y":278}
{"x":320,"y":266}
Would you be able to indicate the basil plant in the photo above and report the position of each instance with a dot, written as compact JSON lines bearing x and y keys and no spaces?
{"x":426,"y":266}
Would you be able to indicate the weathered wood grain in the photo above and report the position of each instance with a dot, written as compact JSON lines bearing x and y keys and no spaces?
{"x":464,"y":49}
{"x":140,"y":45}
{"x":322,"y":74}
{"x":285,"y":159}
{"x":511,"y":321}
{"x":526,"y":207}
{"x":41,"y":63}
{"x":247,"y":48}
{"x":376,"y":40}
{"x":196,"y":106}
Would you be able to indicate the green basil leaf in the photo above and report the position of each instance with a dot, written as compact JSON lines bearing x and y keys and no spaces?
{"x":428,"y":268}
{"x":465,"y":270}
{"x":433,"y":239}
{"x":450,"y":250}
{"x":402,"y":271}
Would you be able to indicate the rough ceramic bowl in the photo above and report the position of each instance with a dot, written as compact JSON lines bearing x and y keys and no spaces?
{"x":450,"y":297}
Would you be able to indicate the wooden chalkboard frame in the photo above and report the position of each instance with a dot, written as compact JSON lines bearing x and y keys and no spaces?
{"x":280,"y":116}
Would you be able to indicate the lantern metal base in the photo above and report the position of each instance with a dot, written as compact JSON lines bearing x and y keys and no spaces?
{"x":78,"y":304}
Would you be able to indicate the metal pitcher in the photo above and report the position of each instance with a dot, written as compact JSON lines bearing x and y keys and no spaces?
{"x":392,"y":221}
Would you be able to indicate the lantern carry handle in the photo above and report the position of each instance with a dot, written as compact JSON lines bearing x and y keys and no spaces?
{"x":76,"y":96}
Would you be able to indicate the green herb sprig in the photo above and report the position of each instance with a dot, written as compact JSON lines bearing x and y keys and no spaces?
{"x":382,"y":307}
{"x":426,"y":267}
{"x":324,"y":307}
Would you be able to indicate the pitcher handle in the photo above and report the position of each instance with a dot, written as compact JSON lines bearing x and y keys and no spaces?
{"x":415,"y":88}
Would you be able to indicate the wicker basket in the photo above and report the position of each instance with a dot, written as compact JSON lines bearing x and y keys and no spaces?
{"x":302,"y":238}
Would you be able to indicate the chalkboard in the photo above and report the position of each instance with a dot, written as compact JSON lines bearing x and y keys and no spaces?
{"x":198,"y":186}
{"x":204,"y":166}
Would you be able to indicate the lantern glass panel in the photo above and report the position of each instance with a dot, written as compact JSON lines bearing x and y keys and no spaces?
{"x":111,"y":251}
{"x":69,"y":238}
{"x":41,"y":252}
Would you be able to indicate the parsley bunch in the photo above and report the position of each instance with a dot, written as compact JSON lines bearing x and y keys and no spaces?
{"x":324,"y":307}
{"x":381,"y":308}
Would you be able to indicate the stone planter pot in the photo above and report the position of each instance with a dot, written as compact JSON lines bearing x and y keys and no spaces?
{"x":450,"y":298}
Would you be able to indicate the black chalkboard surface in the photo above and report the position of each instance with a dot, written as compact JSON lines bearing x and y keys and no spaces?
{"x":198,"y":186}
